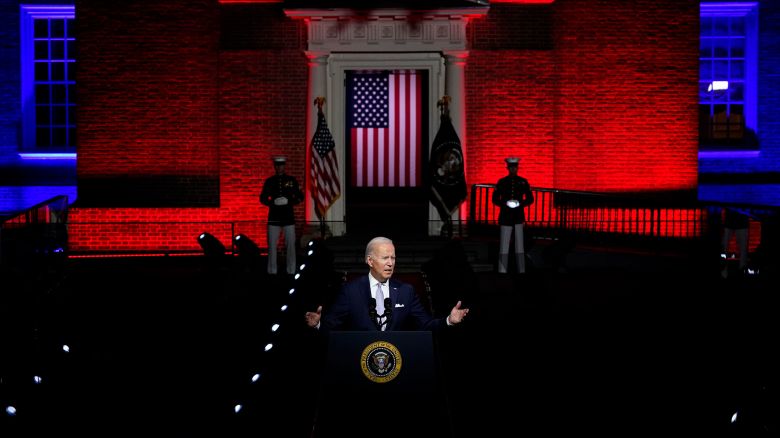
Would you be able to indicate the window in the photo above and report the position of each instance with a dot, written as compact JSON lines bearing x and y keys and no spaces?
{"x":727,"y":76}
{"x":48,"y":79}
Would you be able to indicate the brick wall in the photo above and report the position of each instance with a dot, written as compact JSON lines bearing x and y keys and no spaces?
{"x":147,"y":78}
{"x":600,"y":96}
{"x":183,"y":104}
{"x":262,"y":114}
{"x":593,"y":95}
{"x":10,"y":86}
{"x":511,"y":111}
{"x":769,"y":83}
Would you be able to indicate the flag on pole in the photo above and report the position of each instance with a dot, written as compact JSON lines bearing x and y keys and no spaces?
{"x":325,"y":186}
{"x":384,"y":110}
{"x":447,"y":177}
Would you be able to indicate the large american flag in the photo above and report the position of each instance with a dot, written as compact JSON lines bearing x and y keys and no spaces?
{"x":325,"y":186}
{"x":385,"y":113}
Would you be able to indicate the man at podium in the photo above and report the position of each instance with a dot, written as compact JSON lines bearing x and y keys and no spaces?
{"x":381,"y":349}
{"x":377,"y":302}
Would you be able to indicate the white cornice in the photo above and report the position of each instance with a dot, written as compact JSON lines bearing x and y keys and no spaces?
{"x":380,"y":13}
{"x":386,"y":30}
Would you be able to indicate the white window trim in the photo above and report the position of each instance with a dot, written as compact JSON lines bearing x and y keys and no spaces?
{"x":28,"y":14}
{"x":750,"y":11}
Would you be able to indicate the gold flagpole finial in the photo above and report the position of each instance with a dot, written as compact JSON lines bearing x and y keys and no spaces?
{"x":319,"y":101}
{"x":444,"y":104}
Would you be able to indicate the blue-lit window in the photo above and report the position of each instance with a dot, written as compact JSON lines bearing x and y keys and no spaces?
{"x":48,"y":78}
{"x":727,"y":75}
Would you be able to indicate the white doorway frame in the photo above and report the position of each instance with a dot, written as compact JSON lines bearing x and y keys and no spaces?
{"x":384,"y":39}
{"x":339,"y":64}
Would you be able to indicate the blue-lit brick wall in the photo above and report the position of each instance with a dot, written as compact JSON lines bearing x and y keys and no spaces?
{"x":769,"y":84}
{"x":9,"y":78}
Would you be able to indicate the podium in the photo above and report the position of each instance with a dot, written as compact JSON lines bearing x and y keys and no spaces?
{"x":381,"y":384}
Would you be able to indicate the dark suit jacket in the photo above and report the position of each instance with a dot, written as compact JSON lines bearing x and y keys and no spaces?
{"x":350,"y":311}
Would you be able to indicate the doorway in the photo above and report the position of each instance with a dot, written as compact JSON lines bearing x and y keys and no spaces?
{"x":386,"y":133}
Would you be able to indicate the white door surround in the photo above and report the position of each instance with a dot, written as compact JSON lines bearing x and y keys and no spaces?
{"x":340,"y":40}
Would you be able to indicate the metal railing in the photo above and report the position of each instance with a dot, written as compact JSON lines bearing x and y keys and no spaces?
{"x":595,"y":214}
{"x":39,"y":231}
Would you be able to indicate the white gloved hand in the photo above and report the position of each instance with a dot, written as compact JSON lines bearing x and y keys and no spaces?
{"x":280,"y":201}
{"x":512,"y":203}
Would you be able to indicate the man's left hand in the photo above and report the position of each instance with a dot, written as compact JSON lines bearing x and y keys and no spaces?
{"x":457,"y":314}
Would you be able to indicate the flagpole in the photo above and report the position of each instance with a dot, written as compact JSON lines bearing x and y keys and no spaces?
{"x":444,"y":107}
{"x":319,"y":101}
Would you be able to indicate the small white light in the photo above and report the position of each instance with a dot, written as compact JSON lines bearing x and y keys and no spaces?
{"x":37,"y":379}
{"x":311,"y":242}
{"x":297,"y":276}
{"x":284,"y":307}
{"x":10,"y":410}
{"x":734,"y":418}
{"x":237,"y":408}
{"x":202,"y":236}
{"x":47,"y":156}
{"x":238,"y":237}
{"x":65,"y":348}
{"x":292,"y":291}
{"x":723,"y":255}
{"x":311,"y":251}
{"x":752,"y":271}
{"x":269,"y":346}
{"x":718,"y":86}
{"x":302,"y":267}
{"x":256,"y":377}
{"x":275,"y":327}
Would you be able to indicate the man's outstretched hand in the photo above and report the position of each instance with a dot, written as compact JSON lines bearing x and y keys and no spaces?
{"x":457,"y":314}
{"x":313,"y":318}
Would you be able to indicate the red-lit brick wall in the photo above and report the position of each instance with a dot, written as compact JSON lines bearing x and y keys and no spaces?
{"x":606,"y":103}
{"x":171,"y":88}
{"x":262,"y":114}
{"x":594,"y":95}
{"x":511,"y":112}
{"x":147,"y":77}
{"x":629,"y":73}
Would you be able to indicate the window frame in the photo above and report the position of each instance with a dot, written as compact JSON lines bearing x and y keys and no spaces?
{"x":749,"y":12}
{"x":28,"y":15}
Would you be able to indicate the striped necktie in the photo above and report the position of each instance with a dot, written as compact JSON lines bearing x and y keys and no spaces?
{"x":380,"y":304}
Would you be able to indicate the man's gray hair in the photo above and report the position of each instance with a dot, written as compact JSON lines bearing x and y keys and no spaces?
{"x":376,"y":241}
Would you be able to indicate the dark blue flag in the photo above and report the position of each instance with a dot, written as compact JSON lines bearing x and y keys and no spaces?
{"x":447,"y":177}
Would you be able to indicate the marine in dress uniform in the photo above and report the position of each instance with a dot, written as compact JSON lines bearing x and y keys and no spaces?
{"x":280,"y":193}
{"x":735,"y":224}
{"x":512,"y":195}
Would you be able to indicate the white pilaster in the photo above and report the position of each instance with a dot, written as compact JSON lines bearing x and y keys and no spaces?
{"x":455,"y":73}
{"x":318,"y":71}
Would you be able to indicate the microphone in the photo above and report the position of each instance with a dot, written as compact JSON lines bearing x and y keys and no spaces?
{"x":372,"y":313}
{"x":372,"y":308}
{"x":388,"y":311}
{"x":388,"y":308}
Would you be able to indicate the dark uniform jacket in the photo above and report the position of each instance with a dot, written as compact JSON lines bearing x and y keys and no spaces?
{"x":736,"y":220}
{"x":274,"y":187}
{"x":512,"y":187}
